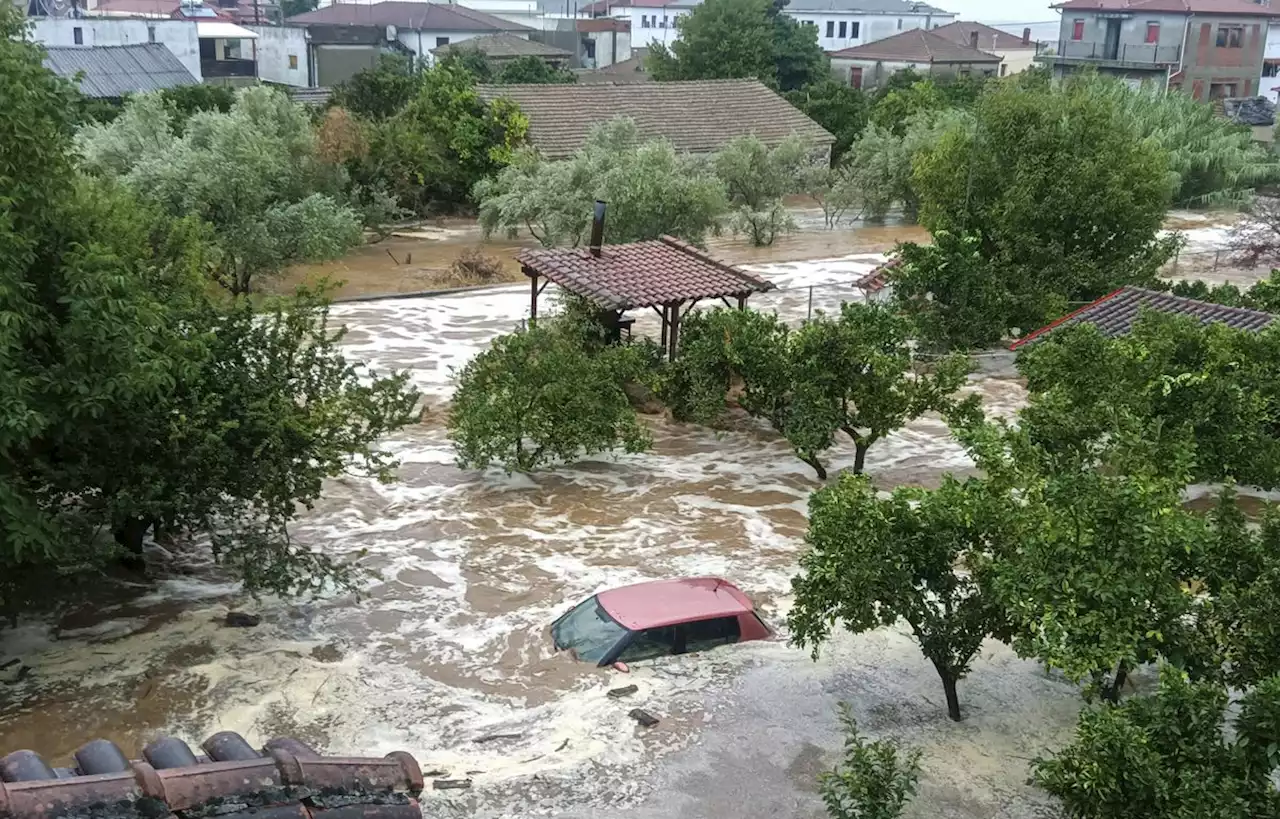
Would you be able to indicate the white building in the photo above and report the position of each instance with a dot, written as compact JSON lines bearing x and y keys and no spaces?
{"x":282,"y":54}
{"x":839,"y":23}
{"x":179,"y":36}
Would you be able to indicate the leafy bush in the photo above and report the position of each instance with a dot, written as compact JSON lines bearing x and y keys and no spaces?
{"x":874,"y":780}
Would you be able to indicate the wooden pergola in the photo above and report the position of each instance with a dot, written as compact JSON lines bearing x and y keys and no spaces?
{"x":667,"y":275}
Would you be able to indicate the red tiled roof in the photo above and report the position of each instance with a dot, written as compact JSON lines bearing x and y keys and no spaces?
{"x":994,"y":39}
{"x":641,"y":274}
{"x":604,"y":24}
{"x":1238,"y":8}
{"x":1116,"y":313}
{"x":916,"y":46}
{"x":878,"y":279}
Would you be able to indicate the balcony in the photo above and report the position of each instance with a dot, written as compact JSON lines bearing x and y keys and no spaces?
{"x":1118,"y":55}
{"x":228,"y":68}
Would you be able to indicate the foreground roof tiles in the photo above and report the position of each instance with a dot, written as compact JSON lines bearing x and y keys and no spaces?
{"x":110,"y":72}
{"x":232,"y":780}
{"x":1116,"y":313}
{"x":409,"y":15}
{"x":916,"y":46}
{"x":699,"y":116}
{"x":641,"y":274}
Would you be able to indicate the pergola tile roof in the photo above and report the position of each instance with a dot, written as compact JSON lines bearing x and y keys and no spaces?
{"x":1115,"y":314}
{"x":641,"y":274}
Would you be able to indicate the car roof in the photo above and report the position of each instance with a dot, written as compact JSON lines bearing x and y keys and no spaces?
{"x":667,"y":602}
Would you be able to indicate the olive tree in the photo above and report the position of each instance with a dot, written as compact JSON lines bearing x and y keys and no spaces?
{"x":757,"y":178}
{"x":923,"y":557}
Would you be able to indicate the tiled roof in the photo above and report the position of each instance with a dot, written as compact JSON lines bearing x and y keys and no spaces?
{"x":989,"y":38}
{"x":1233,"y":7}
{"x":498,"y":46}
{"x":698,"y":116}
{"x":642,"y":274}
{"x":286,"y":779}
{"x":866,"y":6}
{"x":1116,"y":313}
{"x":878,"y":279}
{"x":110,"y":72}
{"x":410,"y":15}
{"x":916,"y":46}
{"x":604,"y":24}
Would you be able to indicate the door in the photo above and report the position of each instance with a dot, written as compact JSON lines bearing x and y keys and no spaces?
{"x":1111,"y":47}
{"x":855,"y":77}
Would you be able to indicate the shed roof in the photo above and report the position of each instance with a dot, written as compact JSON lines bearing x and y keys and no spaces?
{"x":962,"y":31}
{"x":698,"y":116}
{"x":502,"y":45}
{"x":661,"y":603}
{"x":641,"y":274}
{"x":1115,"y":314}
{"x":917,"y":46}
{"x":1236,"y":8}
{"x":110,"y":72}
{"x":409,"y":15}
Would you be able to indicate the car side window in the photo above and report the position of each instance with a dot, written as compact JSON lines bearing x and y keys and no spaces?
{"x":650,"y":643}
{"x":702,"y":635}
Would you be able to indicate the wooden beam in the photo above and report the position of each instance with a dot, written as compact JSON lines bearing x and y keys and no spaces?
{"x":675,"y":330}
{"x":742,"y":302}
{"x":533,"y":294}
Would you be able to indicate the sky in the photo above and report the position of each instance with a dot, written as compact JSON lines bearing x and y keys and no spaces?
{"x":1001,"y":11}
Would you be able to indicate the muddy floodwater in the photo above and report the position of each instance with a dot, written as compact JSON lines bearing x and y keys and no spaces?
{"x":446,"y":654}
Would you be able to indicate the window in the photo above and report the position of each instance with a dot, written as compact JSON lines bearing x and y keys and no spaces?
{"x":588,"y":630}
{"x":899,"y":24}
{"x":853,"y":29}
{"x":1077,"y":29}
{"x":1221,"y":90}
{"x":644,"y":21}
{"x":442,"y":41}
{"x":151,"y":34}
{"x":831,"y":28}
{"x":664,"y":21}
{"x":855,"y":77}
{"x":654,"y":642}
{"x":1153,"y":32}
{"x":707,"y":634}
{"x":1003,"y":69}
{"x":293,"y":61}
{"x":1271,"y":68}
{"x":77,"y":34}
{"x":1230,"y":36}
{"x":964,"y":72}
{"x":844,"y":28}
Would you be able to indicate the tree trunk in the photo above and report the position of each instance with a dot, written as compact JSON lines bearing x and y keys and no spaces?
{"x":860,"y":455}
{"x":1112,"y":692}
{"x":812,"y":460}
{"x":953,"y":699}
{"x":130,"y":536}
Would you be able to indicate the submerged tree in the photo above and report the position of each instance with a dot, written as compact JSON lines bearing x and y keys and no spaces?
{"x":650,"y":188}
{"x":920,"y":556}
{"x":757,"y":178}
{"x":873,"y":780}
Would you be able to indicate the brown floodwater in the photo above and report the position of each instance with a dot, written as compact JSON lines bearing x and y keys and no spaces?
{"x":448,"y":645}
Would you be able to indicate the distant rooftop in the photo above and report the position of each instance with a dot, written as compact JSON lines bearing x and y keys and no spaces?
{"x":917,"y":46}
{"x":407,"y":15}
{"x":989,"y":39}
{"x":504,"y":46}
{"x":1233,"y":7}
{"x":1115,"y":314}
{"x":110,"y":72}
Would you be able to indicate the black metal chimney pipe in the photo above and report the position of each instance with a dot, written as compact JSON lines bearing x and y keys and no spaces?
{"x":597,"y":229}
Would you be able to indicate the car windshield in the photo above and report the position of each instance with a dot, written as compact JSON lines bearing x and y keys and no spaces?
{"x":588,"y":630}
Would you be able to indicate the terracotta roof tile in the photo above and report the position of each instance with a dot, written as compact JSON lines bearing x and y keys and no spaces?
{"x":699,"y":116}
{"x":641,"y":274}
{"x":1116,"y":313}
{"x":917,"y":46}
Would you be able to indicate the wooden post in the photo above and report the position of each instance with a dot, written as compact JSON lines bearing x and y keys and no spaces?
{"x":533,"y":294}
{"x":742,"y":302}
{"x":675,"y":329}
{"x":665,"y":313}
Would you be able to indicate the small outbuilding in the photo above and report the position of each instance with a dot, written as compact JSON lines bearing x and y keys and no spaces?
{"x":111,"y":72}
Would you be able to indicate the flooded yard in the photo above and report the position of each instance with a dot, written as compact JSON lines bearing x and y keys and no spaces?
{"x":446,"y":654}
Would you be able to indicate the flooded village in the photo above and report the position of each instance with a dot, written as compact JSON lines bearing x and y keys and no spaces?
{"x":237,"y":495}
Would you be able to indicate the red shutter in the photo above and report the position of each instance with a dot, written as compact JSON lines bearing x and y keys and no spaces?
{"x":1153,"y":32}
{"x":855,"y":77}
{"x":1077,"y":30}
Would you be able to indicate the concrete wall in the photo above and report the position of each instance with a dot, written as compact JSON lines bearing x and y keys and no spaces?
{"x":332,"y":64}
{"x":610,"y":47}
{"x":647,"y":25}
{"x":1015,"y":60}
{"x":868,"y":27}
{"x":421,"y":41}
{"x":876,"y":72}
{"x":179,"y":36}
{"x":282,"y":54}
{"x":1210,"y":70}
{"x":1133,"y":46}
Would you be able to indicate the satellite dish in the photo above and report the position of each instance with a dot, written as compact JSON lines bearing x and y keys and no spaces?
{"x":391,"y":33}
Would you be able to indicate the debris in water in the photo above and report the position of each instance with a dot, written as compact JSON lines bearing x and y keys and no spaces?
{"x":451,"y":784}
{"x":624,"y":691}
{"x":13,"y":671}
{"x":563,"y":745}
{"x":328,"y":653}
{"x":498,"y":737}
{"x":435,"y":773}
{"x":643,"y":717}
{"x":238,"y":619}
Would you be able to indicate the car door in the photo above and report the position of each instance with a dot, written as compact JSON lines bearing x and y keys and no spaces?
{"x":704,"y":635}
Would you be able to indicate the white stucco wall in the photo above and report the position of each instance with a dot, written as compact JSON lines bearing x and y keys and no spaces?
{"x":1270,"y":52}
{"x":276,"y":45}
{"x":870,"y":27}
{"x":1014,"y":60}
{"x":604,"y":46}
{"x":179,"y":36}
{"x":644,"y":35}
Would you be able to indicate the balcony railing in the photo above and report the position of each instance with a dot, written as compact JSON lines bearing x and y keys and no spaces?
{"x":229,"y":68}
{"x":1134,"y":54}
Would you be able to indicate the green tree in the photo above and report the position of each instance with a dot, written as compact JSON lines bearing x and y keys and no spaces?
{"x":291,"y":8}
{"x":842,"y":110}
{"x":948,"y":289}
{"x":530,"y":69}
{"x":1039,"y":178}
{"x":757,"y":178}
{"x":730,"y":39}
{"x":1167,"y":755}
{"x":874,"y":780}
{"x":896,"y":108}
{"x":920,"y":556}
{"x":253,"y":174}
{"x":539,"y":396}
{"x":188,"y":100}
{"x":380,"y":91}
{"x":470,"y":59}
{"x":651,"y":191}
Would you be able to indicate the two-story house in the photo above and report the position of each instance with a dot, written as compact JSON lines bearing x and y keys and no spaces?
{"x":1209,"y":49}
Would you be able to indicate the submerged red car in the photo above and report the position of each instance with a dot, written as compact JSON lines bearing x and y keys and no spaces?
{"x":658,"y":618}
